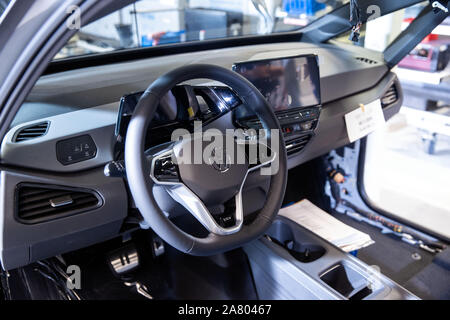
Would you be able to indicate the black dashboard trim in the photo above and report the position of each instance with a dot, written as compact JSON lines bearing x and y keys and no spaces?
{"x":126,"y":55}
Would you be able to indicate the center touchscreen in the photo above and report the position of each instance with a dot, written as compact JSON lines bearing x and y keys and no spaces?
{"x":286,"y":83}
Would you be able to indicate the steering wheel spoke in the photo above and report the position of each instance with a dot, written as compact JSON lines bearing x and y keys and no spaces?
{"x":258,"y":153}
{"x":191,"y":202}
{"x":164,"y":171}
{"x":163,"y":168}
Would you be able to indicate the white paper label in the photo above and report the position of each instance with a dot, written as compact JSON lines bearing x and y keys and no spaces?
{"x":364,"y":120}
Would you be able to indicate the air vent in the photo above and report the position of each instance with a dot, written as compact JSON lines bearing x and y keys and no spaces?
{"x":366,"y":60}
{"x":253,"y":123}
{"x":289,"y":114}
{"x":32,"y":132}
{"x":37,"y":203}
{"x":297,"y":145}
{"x":390,"y":97}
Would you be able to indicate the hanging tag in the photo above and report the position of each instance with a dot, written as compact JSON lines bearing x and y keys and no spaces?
{"x":355,"y":34}
{"x":364,"y":120}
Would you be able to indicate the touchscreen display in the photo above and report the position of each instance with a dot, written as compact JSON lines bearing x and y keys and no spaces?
{"x":287,"y":82}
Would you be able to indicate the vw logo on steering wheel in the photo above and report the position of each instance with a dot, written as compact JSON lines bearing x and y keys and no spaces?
{"x":224,"y":163}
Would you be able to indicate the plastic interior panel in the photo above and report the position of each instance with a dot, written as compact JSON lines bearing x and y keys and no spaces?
{"x":40,"y":153}
{"x":21,"y":243}
{"x":284,"y":277}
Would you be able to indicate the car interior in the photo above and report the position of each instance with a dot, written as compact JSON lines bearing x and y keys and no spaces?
{"x":88,"y":177}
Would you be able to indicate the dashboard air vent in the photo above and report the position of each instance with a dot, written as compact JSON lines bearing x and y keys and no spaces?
{"x":32,"y":132}
{"x":296,"y":145}
{"x":253,"y":123}
{"x":390,"y":97}
{"x":36,"y":203}
{"x":366,"y":60}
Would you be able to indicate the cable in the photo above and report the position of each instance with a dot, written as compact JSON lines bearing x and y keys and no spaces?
{"x":56,"y":274}
{"x":407,"y":234}
{"x":58,"y":286}
{"x":65,"y":276}
{"x":355,"y":12}
{"x":355,"y":20}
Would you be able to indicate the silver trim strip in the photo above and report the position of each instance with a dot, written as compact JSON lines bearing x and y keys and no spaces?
{"x":188,"y":199}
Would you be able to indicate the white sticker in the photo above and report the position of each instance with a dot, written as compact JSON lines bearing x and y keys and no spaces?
{"x":364,"y":120}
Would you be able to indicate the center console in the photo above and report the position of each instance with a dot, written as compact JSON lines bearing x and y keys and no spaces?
{"x":293,"y":263}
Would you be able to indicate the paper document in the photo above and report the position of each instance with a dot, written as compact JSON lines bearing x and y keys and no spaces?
{"x":325,"y":226}
{"x":364,"y":120}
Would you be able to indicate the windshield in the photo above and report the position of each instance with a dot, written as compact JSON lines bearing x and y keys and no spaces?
{"x":151,"y":23}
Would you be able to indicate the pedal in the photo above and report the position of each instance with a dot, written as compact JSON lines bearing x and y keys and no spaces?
{"x":157,"y":246}
{"x":141,"y":289}
{"x":124,"y":260}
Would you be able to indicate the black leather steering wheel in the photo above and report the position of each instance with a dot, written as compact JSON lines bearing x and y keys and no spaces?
{"x":197,"y":186}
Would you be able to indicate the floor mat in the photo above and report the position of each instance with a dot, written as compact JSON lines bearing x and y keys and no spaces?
{"x":427,"y":277}
{"x":433,"y":282}
{"x":173,"y":275}
{"x":99,"y":283}
{"x":221,"y":277}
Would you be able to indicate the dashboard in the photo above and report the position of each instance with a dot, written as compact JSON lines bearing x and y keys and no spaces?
{"x":291,"y":85}
{"x":74,"y":123}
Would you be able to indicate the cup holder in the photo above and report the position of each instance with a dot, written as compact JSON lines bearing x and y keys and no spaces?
{"x":349,"y":282}
{"x":298,"y":244}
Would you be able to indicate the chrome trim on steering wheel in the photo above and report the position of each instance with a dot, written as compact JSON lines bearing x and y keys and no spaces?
{"x":189,"y":200}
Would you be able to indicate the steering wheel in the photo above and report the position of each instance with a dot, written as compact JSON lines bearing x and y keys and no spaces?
{"x":198,"y":186}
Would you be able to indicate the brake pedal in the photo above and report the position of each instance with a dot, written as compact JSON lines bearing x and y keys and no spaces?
{"x":141,"y":289}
